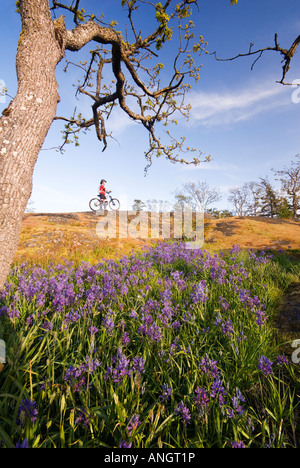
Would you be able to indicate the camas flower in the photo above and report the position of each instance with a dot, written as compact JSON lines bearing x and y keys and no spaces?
{"x":123,"y":444}
{"x":184,"y":412}
{"x":23,"y":444}
{"x":209,"y":367}
{"x":133,"y":424}
{"x":282,"y":360}
{"x":82,"y":418}
{"x":237,"y":444}
{"x":167,"y":393}
{"x":139,"y":364}
{"x":201,"y":399}
{"x":27,"y":409}
{"x":265,"y":365}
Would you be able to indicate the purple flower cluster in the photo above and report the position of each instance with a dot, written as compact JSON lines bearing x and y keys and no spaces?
{"x":167,"y":393}
{"x":82,"y":418}
{"x":123,"y":366}
{"x":209,"y":367}
{"x":133,"y":424}
{"x":76,"y":377}
{"x":183,"y":411}
{"x":181,"y":307}
{"x":265,"y":365}
{"x":217,"y":392}
{"x":199,"y":292}
{"x":27,"y":411}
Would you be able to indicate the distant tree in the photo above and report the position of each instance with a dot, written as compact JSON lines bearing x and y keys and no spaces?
{"x":225,"y":214}
{"x":239,"y":197}
{"x":284,"y":209}
{"x":138,"y":205}
{"x":215,"y":213}
{"x":182,"y":201}
{"x":290,"y":184}
{"x":253,"y":202}
{"x":269,"y":199}
{"x":200,"y":194}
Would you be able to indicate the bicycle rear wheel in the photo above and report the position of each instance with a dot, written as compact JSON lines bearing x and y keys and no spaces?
{"x":114,"y":204}
{"x":95,"y":204}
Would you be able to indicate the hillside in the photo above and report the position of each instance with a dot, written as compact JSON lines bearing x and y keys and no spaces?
{"x":73,"y":236}
{"x":252,"y":233}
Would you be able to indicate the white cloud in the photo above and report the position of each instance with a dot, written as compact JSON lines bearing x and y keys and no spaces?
{"x":228,"y":107}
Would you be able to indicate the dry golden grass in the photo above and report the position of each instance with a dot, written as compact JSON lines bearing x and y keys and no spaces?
{"x":252,"y":233}
{"x":47,"y":237}
{"x":72,"y":236}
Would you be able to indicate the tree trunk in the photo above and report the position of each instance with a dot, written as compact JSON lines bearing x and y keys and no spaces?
{"x":26,"y":121}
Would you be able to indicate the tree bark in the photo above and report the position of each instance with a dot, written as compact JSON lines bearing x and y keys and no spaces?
{"x":26,"y":121}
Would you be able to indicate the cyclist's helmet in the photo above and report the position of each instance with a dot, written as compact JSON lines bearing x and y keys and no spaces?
{"x":103,"y":180}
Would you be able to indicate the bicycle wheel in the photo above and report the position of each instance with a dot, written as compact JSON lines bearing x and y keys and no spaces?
{"x":95,"y":204}
{"x":114,"y":204}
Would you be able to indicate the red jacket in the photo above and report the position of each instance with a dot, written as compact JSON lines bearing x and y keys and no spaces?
{"x":102,"y":189}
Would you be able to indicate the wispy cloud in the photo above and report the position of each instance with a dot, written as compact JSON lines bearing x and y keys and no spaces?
{"x":228,"y":107}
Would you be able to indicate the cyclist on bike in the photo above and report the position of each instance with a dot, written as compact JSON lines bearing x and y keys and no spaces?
{"x":102,"y":192}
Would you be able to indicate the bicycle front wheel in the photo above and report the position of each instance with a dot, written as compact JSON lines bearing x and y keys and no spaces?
{"x":95,"y":204}
{"x":114,"y":204}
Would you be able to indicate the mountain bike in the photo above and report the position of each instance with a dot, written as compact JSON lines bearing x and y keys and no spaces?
{"x":96,"y":204}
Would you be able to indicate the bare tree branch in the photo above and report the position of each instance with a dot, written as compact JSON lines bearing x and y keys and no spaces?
{"x":287,"y":54}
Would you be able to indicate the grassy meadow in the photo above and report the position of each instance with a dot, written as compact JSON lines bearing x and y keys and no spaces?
{"x":149,"y":346}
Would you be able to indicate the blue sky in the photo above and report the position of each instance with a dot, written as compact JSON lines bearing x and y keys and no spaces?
{"x":247,"y":122}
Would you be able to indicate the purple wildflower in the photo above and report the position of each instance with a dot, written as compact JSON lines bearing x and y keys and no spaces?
{"x":176,"y":324}
{"x":133,"y":424}
{"x":237,"y":444}
{"x":27,"y":409}
{"x":123,"y":444}
{"x":125,"y":339}
{"x":82,"y":418}
{"x":47,"y":326}
{"x":120,"y":369}
{"x":265,"y":365}
{"x":167,"y":393}
{"x":184,"y":412}
{"x":236,"y":400}
{"x":139,"y":364}
{"x":76,"y":376}
{"x":202,"y":398}
{"x":282,"y":360}
{"x":108,"y":323}
{"x":23,"y":444}
{"x":209,"y":367}
{"x":3,"y":310}
{"x":224,"y":304}
{"x":199,"y":293}
{"x":235,"y":249}
{"x":218,"y":389}
{"x":227,"y":328}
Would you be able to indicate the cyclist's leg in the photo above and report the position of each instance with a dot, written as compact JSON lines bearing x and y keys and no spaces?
{"x":102,"y":200}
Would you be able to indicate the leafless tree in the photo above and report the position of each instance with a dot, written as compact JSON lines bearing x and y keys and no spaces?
{"x":239,"y":197}
{"x":290,"y":184}
{"x":201,"y":194}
